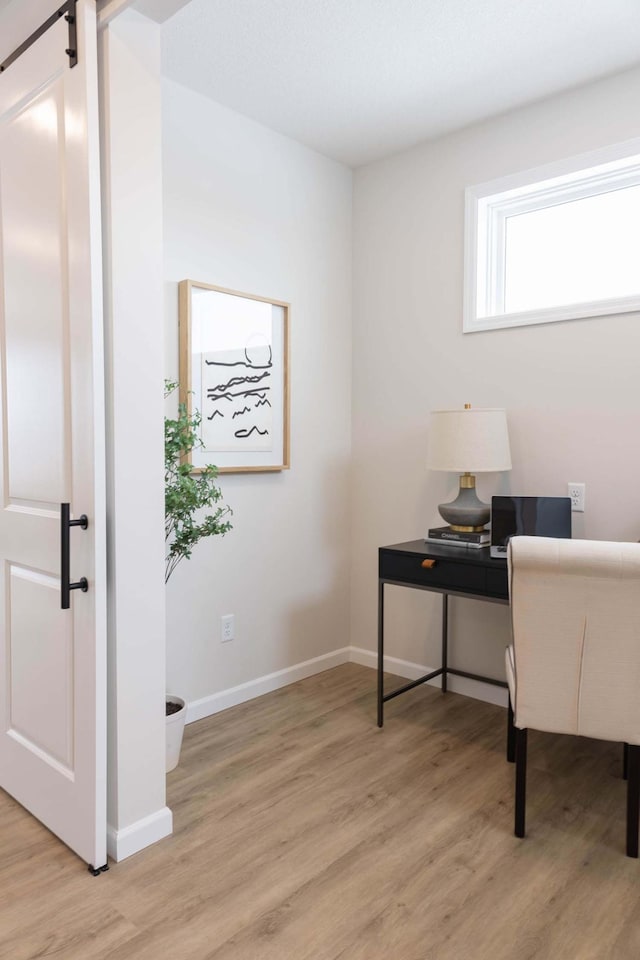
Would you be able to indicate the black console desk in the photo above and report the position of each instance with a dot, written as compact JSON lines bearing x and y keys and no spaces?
{"x":450,"y":571}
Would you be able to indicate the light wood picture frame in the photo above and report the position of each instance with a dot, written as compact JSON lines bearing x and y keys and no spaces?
{"x":234,"y":369}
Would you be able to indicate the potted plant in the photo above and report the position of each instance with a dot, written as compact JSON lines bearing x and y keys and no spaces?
{"x":185,"y":494}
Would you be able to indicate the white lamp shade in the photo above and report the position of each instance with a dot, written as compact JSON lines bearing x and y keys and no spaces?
{"x":473,"y":441}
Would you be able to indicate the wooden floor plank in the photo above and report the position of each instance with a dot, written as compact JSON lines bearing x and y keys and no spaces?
{"x":303,"y":832}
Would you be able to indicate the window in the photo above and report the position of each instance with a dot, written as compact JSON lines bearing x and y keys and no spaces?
{"x":556,"y":243}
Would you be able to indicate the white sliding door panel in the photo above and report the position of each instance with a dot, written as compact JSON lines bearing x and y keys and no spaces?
{"x":41,"y":708}
{"x":53,"y":660}
{"x":32,"y":200}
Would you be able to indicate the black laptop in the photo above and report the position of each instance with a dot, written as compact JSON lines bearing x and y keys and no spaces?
{"x":528,"y":516}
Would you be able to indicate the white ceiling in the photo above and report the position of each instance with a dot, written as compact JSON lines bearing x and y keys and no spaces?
{"x":158,"y":10}
{"x":360,"y":79}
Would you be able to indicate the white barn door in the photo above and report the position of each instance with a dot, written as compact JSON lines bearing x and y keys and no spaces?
{"x":53,"y":642}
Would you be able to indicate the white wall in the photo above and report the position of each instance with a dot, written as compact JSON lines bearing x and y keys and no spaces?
{"x":18,"y":20}
{"x":251,"y":210}
{"x":570,"y":389}
{"x":132,"y":215}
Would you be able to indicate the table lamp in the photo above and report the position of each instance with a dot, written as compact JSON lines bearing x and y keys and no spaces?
{"x":468,"y":442}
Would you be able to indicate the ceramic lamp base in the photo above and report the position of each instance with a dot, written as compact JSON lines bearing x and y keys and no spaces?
{"x":466,"y":514}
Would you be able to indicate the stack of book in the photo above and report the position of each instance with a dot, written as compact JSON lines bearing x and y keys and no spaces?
{"x":481,"y":538}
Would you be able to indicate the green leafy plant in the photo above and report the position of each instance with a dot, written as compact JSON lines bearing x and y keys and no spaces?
{"x":185,"y":492}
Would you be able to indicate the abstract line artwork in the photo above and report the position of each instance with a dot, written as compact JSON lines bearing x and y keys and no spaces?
{"x":234,"y":370}
{"x":237,"y":412}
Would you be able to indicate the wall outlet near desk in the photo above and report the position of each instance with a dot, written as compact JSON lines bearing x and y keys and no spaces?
{"x":577,"y":493}
{"x":227,"y":628}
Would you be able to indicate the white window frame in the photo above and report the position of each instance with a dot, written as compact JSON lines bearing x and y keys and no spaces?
{"x":487,"y":207}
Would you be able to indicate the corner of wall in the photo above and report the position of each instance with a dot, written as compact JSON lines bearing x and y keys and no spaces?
{"x":132,"y":214}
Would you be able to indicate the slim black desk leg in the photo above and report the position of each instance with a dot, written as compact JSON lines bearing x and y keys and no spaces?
{"x":380,"y":650}
{"x":445,"y":638}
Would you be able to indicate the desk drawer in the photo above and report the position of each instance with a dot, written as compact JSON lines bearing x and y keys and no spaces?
{"x":443,"y":573}
{"x":498,"y":583}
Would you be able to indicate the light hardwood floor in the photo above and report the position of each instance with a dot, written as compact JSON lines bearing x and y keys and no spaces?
{"x":302,"y":832}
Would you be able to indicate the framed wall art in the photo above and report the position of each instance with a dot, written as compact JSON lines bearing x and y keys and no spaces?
{"x":234,"y":369}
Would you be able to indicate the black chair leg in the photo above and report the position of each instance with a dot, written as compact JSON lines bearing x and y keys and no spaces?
{"x":633,"y":799}
{"x":521,"y":780}
{"x":511,"y":735}
{"x":625,"y":761}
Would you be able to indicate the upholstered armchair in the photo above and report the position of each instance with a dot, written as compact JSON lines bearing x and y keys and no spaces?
{"x":574,"y":665}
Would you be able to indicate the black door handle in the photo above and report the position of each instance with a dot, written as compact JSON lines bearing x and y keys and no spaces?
{"x":65,"y":556}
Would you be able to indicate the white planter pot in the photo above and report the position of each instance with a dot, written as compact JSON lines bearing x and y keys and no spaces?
{"x":175,"y":730}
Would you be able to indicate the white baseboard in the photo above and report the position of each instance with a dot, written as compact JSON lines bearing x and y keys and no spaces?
{"x":412,"y":671}
{"x":207,"y":706}
{"x":124,"y":843}
{"x":216,"y":702}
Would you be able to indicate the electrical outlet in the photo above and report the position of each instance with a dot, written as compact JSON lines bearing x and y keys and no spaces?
{"x":227,"y":628}
{"x":577,"y":493}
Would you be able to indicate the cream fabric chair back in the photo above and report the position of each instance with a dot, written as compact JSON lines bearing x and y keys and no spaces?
{"x":575,"y":607}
